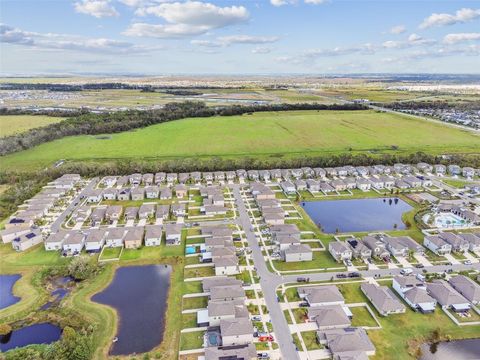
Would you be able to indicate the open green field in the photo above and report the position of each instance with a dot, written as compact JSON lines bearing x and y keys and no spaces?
{"x":14,"y":124}
{"x":266,"y":134}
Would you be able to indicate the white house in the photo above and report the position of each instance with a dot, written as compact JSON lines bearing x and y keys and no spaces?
{"x":414,"y":292}
{"x":26,"y":241}
{"x":74,"y":243}
{"x":95,"y":240}
{"x":153,"y":235}
{"x":437,"y":245}
{"x":114,"y":237}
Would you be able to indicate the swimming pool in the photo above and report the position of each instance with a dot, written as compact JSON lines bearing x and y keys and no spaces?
{"x":190,"y":250}
{"x":445,"y":220}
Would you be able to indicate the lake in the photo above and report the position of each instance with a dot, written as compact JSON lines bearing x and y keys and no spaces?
{"x":139,"y":294}
{"x":6,"y":290}
{"x":358,"y":214}
{"x":34,"y":334}
{"x":459,"y":350}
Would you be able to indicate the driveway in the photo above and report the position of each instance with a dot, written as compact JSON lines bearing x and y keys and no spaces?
{"x":470,"y":257}
{"x":450,"y":258}
{"x":422,"y":260}
{"x":403,"y":261}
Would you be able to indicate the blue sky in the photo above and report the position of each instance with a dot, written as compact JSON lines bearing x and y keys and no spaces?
{"x":239,"y":37}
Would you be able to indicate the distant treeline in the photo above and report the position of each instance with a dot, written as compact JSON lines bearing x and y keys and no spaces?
{"x":97,"y":86}
{"x":437,"y":104}
{"x":44,"y":112}
{"x":105,"y":123}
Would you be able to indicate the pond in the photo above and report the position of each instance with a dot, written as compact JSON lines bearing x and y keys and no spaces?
{"x":358,"y":214}
{"x":459,"y":350}
{"x":6,"y":290}
{"x":60,"y":289}
{"x":139,"y":294}
{"x":45,"y":333}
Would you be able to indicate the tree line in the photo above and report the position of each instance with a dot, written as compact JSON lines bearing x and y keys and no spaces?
{"x":435,"y":105}
{"x":114,"y":122}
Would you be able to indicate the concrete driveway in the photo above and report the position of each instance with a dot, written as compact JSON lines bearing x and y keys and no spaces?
{"x":404,"y":262}
{"x":450,"y":258}
{"x":422,"y":260}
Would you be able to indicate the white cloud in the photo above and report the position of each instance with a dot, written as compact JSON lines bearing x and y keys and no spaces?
{"x":399,"y":29}
{"x":96,"y":8}
{"x":186,"y":19}
{"x":461,"y":16}
{"x":281,"y":2}
{"x":460,"y":37}
{"x":224,"y":41}
{"x":315,"y":2}
{"x":261,"y":50}
{"x":412,"y":40}
{"x":14,"y":36}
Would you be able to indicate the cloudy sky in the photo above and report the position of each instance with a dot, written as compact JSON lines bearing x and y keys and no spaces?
{"x":239,"y":37}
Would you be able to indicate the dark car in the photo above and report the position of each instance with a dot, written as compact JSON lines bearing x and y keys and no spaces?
{"x":419,"y":266}
{"x":341,"y":276}
{"x":303,"y":304}
{"x":354,"y":275}
{"x":303,"y":279}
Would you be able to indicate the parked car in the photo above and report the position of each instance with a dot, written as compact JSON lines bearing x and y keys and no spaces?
{"x":467,"y":262}
{"x":303,"y":279}
{"x":406,"y":271}
{"x":341,"y":276}
{"x":348,"y":262}
{"x":263,"y":355}
{"x":354,"y":275}
{"x":256,"y":318}
{"x":303,"y":304}
{"x":419,"y":266}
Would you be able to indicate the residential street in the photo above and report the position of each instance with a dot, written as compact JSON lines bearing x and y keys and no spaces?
{"x":270,"y":282}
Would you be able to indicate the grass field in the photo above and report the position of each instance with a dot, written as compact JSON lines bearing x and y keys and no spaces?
{"x":261,"y":134}
{"x":14,"y":124}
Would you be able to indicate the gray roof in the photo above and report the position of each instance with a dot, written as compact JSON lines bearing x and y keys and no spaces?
{"x":321,"y":294}
{"x":298,"y":249}
{"x":115,"y":233}
{"x":418,"y":295}
{"x":382,"y":298}
{"x":329,"y":315}
{"x":467,"y":287}
{"x":236,"y":327}
{"x":153,"y":231}
{"x":134,"y":234}
{"x":347,"y":340}
{"x":212,"y":282}
{"x":244,"y":352}
{"x":444,"y":293}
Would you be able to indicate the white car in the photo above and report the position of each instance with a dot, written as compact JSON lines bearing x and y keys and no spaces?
{"x":467,"y":262}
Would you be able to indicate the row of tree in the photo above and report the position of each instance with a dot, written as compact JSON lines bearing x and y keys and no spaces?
{"x":92,"y":124}
{"x":435,"y":105}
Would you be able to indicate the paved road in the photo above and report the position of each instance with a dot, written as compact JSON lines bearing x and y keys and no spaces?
{"x":73,"y":204}
{"x":270,"y":282}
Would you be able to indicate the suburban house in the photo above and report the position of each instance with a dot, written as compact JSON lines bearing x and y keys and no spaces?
{"x":414,"y":292}
{"x":440,"y":169}
{"x":454,"y":169}
{"x":181,"y":191}
{"x":27,"y":240}
{"x":321,"y":295}
{"x":133,"y":238}
{"x":447,"y":296}
{"x":147,"y":179}
{"x":113,"y":213}
{"x":138,"y":194}
{"x":211,"y":282}
{"x":74,"y":243}
{"x":458,"y":243}
{"x":152,"y":192}
{"x":163,"y":211}
{"x":236,"y":332}
{"x":173,"y":234}
{"x":383,"y":299}
{"x":225,"y":265}
{"x":183,"y":178}
{"x":165,"y":193}
{"x":326,"y":188}
{"x":338,"y":185}
{"x":319,"y":172}
{"x":153,"y":235}
{"x":330,"y":316}
{"x":473,"y":240}
{"x":109,"y":194}
{"x":402,"y":245}
{"x":363,"y":184}
{"x":109,"y":181}
{"x":359,"y":249}
{"x":172,"y":177}
{"x":95,"y":196}
{"x":437,"y":245}
{"x":301,"y":185}
{"x":339,"y":251}
{"x":468,"y":172}
{"x":146,"y":210}
{"x":114,"y":237}
{"x":123,"y":194}
{"x":160,"y":177}
{"x":222,"y":310}
{"x":95,"y":240}
{"x":377,"y":183}
{"x":135,"y":179}
{"x":8,"y":235}
{"x":298,"y":252}
{"x":288,"y":187}
{"x":245,"y":352}
{"x":466,"y":287}
{"x":313,"y":185}
{"x":131,"y":213}
{"x":97,"y":215}
{"x":412,"y":181}
{"x":55,"y":241}
{"x":179,"y":210}
{"x":347,"y":343}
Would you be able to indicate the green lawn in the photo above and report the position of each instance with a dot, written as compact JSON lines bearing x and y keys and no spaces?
{"x":321,"y":260}
{"x":310,"y":340}
{"x":192,"y":340}
{"x":261,"y":134}
{"x":361,"y":317}
{"x":198,"y":302}
{"x":15,"y":124}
